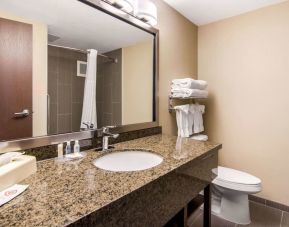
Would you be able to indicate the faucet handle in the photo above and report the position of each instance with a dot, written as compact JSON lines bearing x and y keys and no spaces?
{"x":111,"y":126}
{"x":88,"y":124}
{"x":106,"y":128}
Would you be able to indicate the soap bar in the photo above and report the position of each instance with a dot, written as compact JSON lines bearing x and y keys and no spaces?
{"x":11,"y":193}
{"x":74,"y":155}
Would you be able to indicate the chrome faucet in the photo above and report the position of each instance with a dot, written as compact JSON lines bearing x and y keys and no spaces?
{"x":88,"y":125}
{"x":106,"y":135}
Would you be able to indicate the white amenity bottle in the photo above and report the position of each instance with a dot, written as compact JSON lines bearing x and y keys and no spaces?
{"x":60,"y":150}
{"x":68,"y":148}
{"x":76,"y":147}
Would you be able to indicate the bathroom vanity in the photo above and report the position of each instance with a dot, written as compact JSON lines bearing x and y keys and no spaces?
{"x":76,"y":193}
{"x":44,"y":82}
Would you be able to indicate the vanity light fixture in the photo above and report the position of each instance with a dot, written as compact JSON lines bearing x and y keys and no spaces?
{"x":146,"y":10}
{"x":111,"y":8}
{"x":124,"y":5}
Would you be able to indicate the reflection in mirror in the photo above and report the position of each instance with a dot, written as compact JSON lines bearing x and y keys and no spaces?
{"x":65,"y":67}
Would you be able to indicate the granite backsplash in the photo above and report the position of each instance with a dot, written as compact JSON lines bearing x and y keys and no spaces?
{"x":50,"y":151}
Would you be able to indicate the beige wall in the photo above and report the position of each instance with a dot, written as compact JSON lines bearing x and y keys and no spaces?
{"x":39,"y":73}
{"x":137,"y":83}
{"x":40,"y":79}
{"x":178,"y":57}
{"x":245,"y":60}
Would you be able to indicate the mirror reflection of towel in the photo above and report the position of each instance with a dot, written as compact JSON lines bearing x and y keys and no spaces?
{"x":189,"y":83}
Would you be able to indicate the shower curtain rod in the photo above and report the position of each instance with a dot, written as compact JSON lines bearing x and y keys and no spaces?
{"x":114,"y":60}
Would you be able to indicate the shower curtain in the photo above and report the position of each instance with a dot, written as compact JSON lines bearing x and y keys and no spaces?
{"x":89,"y":97}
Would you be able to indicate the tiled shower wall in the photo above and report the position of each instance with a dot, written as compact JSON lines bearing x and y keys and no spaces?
{"x":108,"y":94}
{"x":66,"y":90}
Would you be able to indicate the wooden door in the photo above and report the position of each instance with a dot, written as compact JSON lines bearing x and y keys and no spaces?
{"x":15,"y":79}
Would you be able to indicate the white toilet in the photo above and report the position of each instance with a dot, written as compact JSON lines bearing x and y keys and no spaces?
{"x":230,"y":194}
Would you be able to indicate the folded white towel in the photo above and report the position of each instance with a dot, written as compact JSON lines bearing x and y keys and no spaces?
{"x":182,"y":114}
{"x":197,"y":111}
{"x":187,"y":93}
{"x":189,"y":119}
{"x":189,"y":83}
{"x":200,"y":137}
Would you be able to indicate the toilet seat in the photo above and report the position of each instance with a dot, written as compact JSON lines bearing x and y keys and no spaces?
{"x":236,"y":180}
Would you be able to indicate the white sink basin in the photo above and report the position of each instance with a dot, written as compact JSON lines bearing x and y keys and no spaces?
{"x":124,"y":161}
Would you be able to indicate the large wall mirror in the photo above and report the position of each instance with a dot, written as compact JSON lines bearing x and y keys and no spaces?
{"x":68,"y":67}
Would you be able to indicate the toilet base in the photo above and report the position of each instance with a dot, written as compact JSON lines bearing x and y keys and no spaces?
{"x":231,"y":205}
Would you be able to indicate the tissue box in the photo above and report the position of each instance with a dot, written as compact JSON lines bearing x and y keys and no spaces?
{"x":17,"y":170}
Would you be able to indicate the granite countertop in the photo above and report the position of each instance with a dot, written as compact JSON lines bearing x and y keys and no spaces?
{"x":61,"y":193}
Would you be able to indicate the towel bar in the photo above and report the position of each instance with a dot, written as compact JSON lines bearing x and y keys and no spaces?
{"x":170,"y":100}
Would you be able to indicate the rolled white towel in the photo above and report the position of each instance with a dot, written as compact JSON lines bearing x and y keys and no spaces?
{"x":199,"y":137}
{"x":187,"y":93}
{"x":189,"y":83}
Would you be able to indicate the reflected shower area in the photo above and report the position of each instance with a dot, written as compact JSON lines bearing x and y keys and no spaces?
{"x":66,"y":83}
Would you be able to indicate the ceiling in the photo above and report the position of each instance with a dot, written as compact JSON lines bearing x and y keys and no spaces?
{"x":202,"y":12}
{"x":78,"y":25}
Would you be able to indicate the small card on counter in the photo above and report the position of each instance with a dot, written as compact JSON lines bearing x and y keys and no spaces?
{"x":11,"y":192}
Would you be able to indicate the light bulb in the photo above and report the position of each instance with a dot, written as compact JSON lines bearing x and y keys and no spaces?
{"x":125,"y":5}
{"x":111,"y":8}
{"x":146,"y":10}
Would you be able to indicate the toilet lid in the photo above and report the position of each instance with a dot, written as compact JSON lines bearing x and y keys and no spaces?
{"x":235,"y":176}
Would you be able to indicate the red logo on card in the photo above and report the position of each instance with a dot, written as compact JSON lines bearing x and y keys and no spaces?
{"x":9,"y":193}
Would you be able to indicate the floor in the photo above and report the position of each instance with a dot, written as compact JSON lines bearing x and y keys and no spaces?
{"x":261,"y":216}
